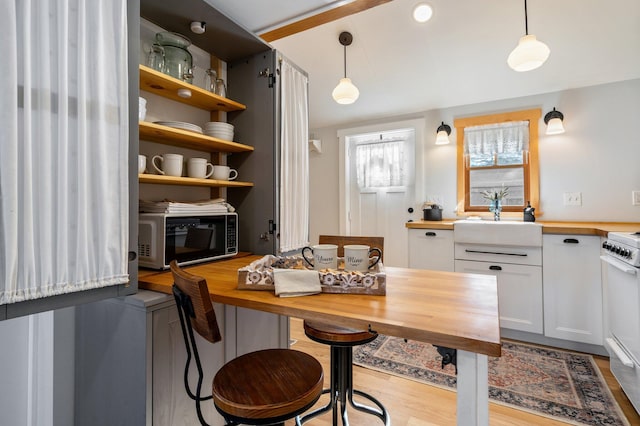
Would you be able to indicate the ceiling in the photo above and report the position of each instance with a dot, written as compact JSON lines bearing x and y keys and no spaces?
{"x":456,"y":58}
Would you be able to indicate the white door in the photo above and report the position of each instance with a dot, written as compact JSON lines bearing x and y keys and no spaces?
{"x":381,"y":187}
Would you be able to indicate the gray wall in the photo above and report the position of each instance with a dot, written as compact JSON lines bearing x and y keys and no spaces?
{"x":598,"y":155}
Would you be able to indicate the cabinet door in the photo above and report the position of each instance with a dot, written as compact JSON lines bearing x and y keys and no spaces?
{"x":572,"y":288}
{"x":519,"y":292}
{"x":431,"y":249}
{"x":170,"y":403}
{"x":257,"y":126}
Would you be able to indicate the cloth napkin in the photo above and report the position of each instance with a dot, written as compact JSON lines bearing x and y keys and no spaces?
{"x":296,"y":282}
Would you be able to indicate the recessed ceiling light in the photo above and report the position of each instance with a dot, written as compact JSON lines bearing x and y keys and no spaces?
{"x":422,"y":12}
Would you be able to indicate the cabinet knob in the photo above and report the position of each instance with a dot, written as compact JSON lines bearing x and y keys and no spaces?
{"x":430,"y":234}
{"x":410,"y":209}
{"x":571,"y":241}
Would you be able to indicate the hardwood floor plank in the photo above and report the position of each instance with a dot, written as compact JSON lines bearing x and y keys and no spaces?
{"x":416,"y":404}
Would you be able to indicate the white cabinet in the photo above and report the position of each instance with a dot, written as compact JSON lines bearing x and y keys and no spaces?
{"x":572,"y":288}
{"x":519,"y":292}
{"x":431,"y":249}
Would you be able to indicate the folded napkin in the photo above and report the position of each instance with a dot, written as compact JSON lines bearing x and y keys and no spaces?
{"x":296,"y":282}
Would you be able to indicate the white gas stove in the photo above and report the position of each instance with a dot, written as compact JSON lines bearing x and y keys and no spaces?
{"x":624,"y":246}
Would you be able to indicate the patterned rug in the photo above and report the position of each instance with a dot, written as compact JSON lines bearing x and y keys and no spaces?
{"x":554,"y":383}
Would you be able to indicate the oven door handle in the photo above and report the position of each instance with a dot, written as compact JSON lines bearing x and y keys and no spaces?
{"x":620,"y":353}
{"x":619,"y":265}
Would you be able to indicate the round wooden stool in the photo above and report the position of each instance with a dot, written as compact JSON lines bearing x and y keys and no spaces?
{"x":342,"y":340}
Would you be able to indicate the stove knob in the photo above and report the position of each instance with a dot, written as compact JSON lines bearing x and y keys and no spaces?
{"x":617,"y":249}
{"x":626,"y":253}
{"x":605,"y":245}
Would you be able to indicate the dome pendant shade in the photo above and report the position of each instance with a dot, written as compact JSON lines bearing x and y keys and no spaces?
{"x":529,"y":54}
{"x":345,"y":92}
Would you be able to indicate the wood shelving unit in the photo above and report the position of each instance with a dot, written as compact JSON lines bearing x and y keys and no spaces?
{"x":187,"y":181}
{"x":166,"y":86}
{"x":185,"y":138}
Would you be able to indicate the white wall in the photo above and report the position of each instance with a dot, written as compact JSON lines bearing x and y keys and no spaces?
{"x":598,"y":155}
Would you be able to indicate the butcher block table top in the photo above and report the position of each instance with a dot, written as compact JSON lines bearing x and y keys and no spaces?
{"x":443,"y":308}
{"x":548,"y":227}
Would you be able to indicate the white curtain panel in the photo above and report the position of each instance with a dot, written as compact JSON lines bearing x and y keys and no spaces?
{"x":294,"y":159}
{"x":508,"y":138}
{"x":63,"y":147}
{"x":381,"y":164}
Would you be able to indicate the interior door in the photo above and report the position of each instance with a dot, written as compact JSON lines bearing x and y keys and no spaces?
{"x":382,"y":210}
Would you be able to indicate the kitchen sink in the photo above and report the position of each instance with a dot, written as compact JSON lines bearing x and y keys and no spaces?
{"x":502,"y":233}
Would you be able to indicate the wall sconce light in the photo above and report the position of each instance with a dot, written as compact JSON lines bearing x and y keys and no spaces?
{"x":553,"y":120}
{"x":345,"y":92}
{"x":442,"y":134}
{"x":530,"y":53}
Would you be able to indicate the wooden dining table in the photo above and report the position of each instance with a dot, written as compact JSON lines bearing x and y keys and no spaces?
{"x":449,"y":309}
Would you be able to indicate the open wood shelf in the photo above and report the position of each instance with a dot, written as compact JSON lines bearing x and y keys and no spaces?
{"x":166,"y":86}
{"x":185,"y":138}
{"x":187,"y":181}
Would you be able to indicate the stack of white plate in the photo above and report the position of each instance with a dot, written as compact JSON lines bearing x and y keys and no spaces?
{"x":180,"y":125}
{"x":218,"y":129}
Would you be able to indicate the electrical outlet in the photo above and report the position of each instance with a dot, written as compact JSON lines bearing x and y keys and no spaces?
{"x":635,"y":198}
{"x":573,"y":198}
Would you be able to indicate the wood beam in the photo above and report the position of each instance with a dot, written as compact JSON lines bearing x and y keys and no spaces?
{"x":321,"y":18}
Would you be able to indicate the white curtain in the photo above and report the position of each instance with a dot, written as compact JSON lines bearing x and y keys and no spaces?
{"x":294,"y":159}
{"x":64,"y":147}
{"x":503,"y":138}
{"x":381,"y":164}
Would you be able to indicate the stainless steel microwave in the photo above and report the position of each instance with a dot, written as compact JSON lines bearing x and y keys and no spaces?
{"x":188,"y":238}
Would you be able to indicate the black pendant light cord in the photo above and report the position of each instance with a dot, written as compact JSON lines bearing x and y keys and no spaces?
{"x":345,"y":61}
{"x":526,"y":23}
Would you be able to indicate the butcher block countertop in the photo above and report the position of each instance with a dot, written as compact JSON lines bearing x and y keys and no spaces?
{"x":443,"y":308}
{"x":548,"y":227}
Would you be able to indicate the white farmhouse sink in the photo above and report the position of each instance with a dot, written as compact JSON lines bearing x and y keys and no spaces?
{"x":502,"y":233}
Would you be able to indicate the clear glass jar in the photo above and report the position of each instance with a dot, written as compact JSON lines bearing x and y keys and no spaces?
{"x":221,"y":88}
{"x":210,"y":80}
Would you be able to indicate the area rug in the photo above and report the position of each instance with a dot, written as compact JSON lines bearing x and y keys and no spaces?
{"x":559,"y":384}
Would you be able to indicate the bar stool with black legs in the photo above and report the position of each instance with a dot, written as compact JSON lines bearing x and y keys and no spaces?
{"x":265,"y":387}
{"x":342,"y":340}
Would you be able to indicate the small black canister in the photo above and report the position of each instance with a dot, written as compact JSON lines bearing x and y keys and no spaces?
{"x":529,"y":213}
{"x":434,"y":213}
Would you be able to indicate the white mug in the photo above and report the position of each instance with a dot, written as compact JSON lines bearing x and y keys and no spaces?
{"x":171,"y":164}
{"x":199,"y":168}
{"x":224,"y":173}
{"x":325,"y":256}
{"x":142,"y":163}
{"x":356,"y":257}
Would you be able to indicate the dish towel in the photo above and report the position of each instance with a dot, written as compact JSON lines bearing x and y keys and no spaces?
{"x":296,"y":282}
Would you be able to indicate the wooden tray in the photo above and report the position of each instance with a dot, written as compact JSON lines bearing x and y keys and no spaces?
{"x":258,"y":275}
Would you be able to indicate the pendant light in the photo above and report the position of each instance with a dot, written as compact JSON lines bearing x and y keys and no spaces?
{"x":553,"y":120}
{"x":345,"y":92}
{"x":442,"y":134}
{"x":530,"y":53}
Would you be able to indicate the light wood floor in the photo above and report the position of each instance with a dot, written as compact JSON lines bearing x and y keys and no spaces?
{"x":415,"y":404}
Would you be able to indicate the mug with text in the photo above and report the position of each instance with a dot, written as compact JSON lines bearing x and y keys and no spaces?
{"x":324,"y":256}
{"x":142,"y":163}
{"x":170,"y":164}
{"x":199,"y":168}
{"x":224,"y":173}
{"x":357,"y":257}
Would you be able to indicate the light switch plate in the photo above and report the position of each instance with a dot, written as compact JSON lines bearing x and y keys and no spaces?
{"x":635,"y":198}
{"x":573,"y":198}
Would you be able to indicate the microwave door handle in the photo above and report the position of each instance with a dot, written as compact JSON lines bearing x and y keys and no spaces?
{"x":619,"y":265}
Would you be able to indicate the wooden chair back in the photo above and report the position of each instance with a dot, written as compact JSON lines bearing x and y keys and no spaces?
{"x":200,"y":312}
{"x":342,"y":240}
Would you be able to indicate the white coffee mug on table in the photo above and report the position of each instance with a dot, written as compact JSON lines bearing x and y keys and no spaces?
{"x":142,"y":163}
{"x":325,"y":256}
{"x":224,"y":173}
{"x":199,"y":168}
{"x":171,"y":164}
{"x":356,"y":257}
